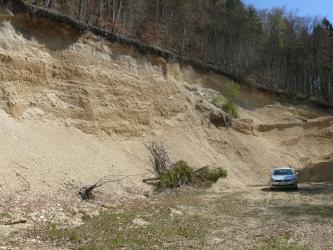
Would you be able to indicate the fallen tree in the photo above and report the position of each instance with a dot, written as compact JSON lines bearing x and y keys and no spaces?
{"x":179,"y":174}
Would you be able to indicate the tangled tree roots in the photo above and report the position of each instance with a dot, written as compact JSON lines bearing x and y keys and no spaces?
{"x":86,"y":192}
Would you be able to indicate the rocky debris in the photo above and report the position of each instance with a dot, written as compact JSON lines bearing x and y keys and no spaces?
{"x":244,"y":126}
{"x":191,"y":88}
{"x":84,"y":210}
{"x":214,"y":115}
{"x":291,"y":140}
{"x":220,"y":119}
{"x":202,"y":93}
{"x":204,"y":106}
{"x":108,"y":205}
{"x":319,"y":123}
{"x":174,"y":212}
{"x":280,"y":126}
{"x":12,"y":219}
{"x":324,"y":133}
{"x":140,"y":222}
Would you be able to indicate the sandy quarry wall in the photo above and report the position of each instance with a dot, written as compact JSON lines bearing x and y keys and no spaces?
{"x":74,"y":107}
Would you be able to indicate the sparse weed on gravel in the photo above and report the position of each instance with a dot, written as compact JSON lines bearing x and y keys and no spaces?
{"x":115,"y":230}
{"x":282,"y":243}
{"x":56,"y":233}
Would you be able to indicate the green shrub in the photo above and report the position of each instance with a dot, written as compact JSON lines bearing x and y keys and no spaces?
{"x":180,"y":174}
{"x":66,"y":234}
{"x":281,"y":244}
{"x":233,"y":91}
{"x":218,"y":100}
{"x":231,"y":109}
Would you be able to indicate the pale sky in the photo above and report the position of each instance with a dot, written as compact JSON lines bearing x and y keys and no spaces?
{"x":311,"y":8}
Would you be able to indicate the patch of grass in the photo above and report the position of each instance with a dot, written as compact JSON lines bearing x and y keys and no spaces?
{"x":205,"y":216}
{"x":323,"y":211}
{"x":282,"y":243}
{"x":235,"y":205}
{"x":233,"y":91}
{"x":116,"y":230}
{"x":4,"y":215}
{"x":64,"y":234}
{"x":231,"y":109}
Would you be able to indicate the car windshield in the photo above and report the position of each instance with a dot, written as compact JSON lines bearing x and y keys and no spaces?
{"x":283,"y":172}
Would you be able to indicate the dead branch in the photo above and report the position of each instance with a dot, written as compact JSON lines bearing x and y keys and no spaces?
{"x":14,"y":222}
{"x":152,"y":179}
{"x":159,"y":158}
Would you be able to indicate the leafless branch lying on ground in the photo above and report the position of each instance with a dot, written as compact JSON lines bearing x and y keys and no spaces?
{"x":14,"y":222}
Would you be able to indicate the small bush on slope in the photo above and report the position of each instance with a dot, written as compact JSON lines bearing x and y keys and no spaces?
{"x":231,"y":109}
{"x":232,"y":92}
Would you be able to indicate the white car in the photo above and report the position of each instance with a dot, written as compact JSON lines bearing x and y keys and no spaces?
{"x":284,"y":177}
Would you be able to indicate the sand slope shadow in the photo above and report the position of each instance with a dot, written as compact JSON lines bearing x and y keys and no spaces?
{"x":321,"y":172}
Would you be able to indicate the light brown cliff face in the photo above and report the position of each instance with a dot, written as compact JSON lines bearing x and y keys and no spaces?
{"x":84,"y":81}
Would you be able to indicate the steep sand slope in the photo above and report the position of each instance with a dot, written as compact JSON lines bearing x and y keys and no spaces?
{"x":75,"y":108}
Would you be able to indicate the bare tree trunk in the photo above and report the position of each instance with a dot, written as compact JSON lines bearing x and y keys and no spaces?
{"x":101,"y":8}
{"x":48,"y":3}
{"x":183,"y":41}
{"x":114,"y":6}
{"x":80,"y":12}
{"x":157,"y":10}
{"x":119,"y":9}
